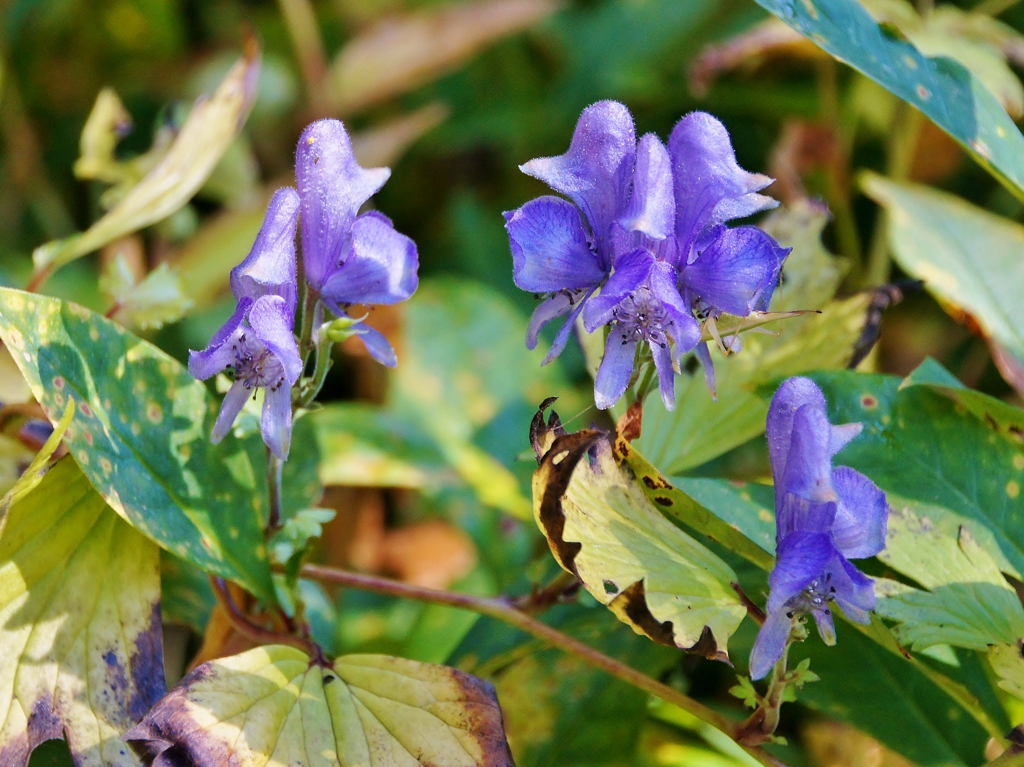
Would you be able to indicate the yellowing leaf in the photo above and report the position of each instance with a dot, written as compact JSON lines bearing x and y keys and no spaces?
{"x":402,"y":52}
{"x":602,"y":527}
{"x":80,"y":638}
{"x":210,"y":128}
{"x":157,"y":299}
{"x":1008,"y":663}
{"x":274,"y":707}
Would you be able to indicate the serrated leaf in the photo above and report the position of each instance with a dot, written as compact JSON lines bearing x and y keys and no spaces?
{"x":968,"y":603}
{"x":1008,"y":663}
{"x":700,"y":428}
{"x":80,"y":655}
{"x":210,"y":128}
{"x":944,"y":90}
{"x":273,"y":706}
{"x":602,"y":527}
{"x":431,"y":43}
{"x":142,"y":435}
{"x":968,"y":258}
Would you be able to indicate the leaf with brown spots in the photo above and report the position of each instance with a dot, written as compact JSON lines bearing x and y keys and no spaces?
{"x":274,"y":707}
{"x":604,"y":527}
{"x":80,"y":639}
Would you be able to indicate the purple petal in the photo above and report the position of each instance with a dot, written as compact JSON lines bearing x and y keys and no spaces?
{"x":269,"y":269}
{"x":808,"y":470}
{"x":377,"y":345}
{"x":704,"y":356}
{"x":666,"y":375}
{"x":332,"y":187}
{"x":790,"y":396}
{"x":549,"y":247}
{"x":770,"y":644}
{"x":737,"y":272}
{"x":547,"y":310}
{"x":794,"y":513}
{"x":272,"y":324}
{"x":861,"y":516}
{"x":799,"y":560}
{"x":631,"y":271}
{"x":219,"y":354}
{"x":615,"y":370}
{"x":276,"y":420}
{"x":232,"y":405}
{"x":826,"y":625}
{"x":855,"y":592}
{"x":651,"y":208}
{"x":563,"y":333}
{"x":685,"y":329}
{"x":595,"y":172}
{"x":710,"y":186}
{"x":379,"y":266}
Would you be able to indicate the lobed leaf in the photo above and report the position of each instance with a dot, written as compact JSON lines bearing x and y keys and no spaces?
{"x":943,"y":89}
{"x":80,"y":655}
{"x":141,"y":434}
{"x":602,"y":527}
{"x":968,"y":603}
{"x":210,"y":128}
{"x":275,"y":707}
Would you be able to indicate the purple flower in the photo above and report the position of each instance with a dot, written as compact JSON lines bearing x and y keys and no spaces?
{"x":349,"y":258}
{"x":825,"y":518}
{"x":648,"y":230}
{"x":256,"y":344}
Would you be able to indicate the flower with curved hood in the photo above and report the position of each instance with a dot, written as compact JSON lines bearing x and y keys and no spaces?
{"x":256,"y":345}
{"x":648,"y":230}
{"x":349,"y":258}
{"x":825,"y":518}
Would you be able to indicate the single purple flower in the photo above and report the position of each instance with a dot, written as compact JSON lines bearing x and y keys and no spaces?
{"x":349,"y":258}
{"x":825,"y":517}
{"x":256,"y":345}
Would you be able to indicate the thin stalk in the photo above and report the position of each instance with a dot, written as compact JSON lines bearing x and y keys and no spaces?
{"x":321,"y":366}
{"x":502,"y":610}
{"x":244,"y":625}
{"x":275,"y":466}
{"x":994,"y":7}
{"x":905,"y":130}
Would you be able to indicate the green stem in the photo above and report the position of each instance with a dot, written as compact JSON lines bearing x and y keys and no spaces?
{"x":776,"y":688}
{"x":903,"y":135}
{"x":502,"y":610}
{"x":994,"y":7}
{"x":321,"y":366}
{"x":275,"y":467}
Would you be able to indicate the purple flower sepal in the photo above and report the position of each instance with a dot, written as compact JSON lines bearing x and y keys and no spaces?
{"x":256,"y":345}
{"x":349,"y":258}
{"x":825,"y":517}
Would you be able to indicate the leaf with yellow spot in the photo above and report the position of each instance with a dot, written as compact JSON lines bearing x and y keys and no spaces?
{"x":603,"y":527}
{"x":141,"y":434}
{"x":80,"y":638}
{"x":274,"y":707}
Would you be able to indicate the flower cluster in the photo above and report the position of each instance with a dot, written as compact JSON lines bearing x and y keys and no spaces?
{"x":825,"y":518}
{"x":347,"y":258}
{"x":646,"y":228}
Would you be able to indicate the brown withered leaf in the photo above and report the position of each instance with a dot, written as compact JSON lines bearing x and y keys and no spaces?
{"x":80,"y":639}
{"x":603,"y":527}
{"x":402,"y":52}
{"x":273,"y":706}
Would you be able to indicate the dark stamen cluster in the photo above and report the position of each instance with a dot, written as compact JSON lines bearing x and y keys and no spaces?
{"x":641,"y":317}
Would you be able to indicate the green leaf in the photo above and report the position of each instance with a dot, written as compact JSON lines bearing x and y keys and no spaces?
{"x":968,"y":603}
{"x":141,"y":435}
{"x":968,"y":258}
{"x":273,"y":705}
{"x":602,"y":527}
{"x":953,"y":98}
{"x":1008,"y":663}
{"x":210,"y":128}
{"x":931,"y":444}
{"x":747,"y":507}
{"x":80,"y":637}
{"x":882,"y":694}
{"x":185,"y":593}
{"x":158,"y":299}
{"x":700,"y":428}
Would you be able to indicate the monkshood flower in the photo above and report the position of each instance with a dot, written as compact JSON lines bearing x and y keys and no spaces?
{"x":648,"y":230}
{"x":825,"y":518}
{"x":256,"y":346}
{"x":349,"y":258}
